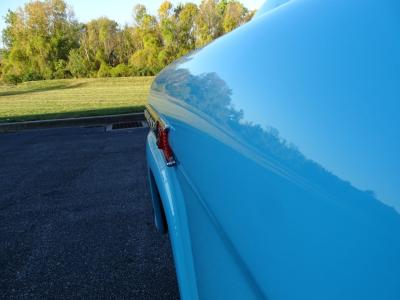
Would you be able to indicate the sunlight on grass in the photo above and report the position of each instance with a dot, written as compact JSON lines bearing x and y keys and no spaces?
{"x":73,"y":98}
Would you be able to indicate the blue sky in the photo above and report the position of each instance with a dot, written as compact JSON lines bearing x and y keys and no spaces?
{"x":118,"y":10}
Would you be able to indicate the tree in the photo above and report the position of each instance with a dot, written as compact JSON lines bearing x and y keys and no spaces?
{"x":78,"y":65}
{"x":38,"y":37}
{"x":145,"y":59}
{"x":168,"y":29}
{"x":234,"y":15}
{"x":99,"y":41}
{"x":186,"y":35}
{"x":1,"y":64}
{"x":44,"y":41}
{"x":125,"y":45}
{"x":208,"y":23}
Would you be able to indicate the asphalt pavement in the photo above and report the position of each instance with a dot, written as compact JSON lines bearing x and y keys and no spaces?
{"x":76,"y":220}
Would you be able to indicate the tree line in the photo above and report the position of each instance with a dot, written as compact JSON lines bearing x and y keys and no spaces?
{"x":43,"y":39}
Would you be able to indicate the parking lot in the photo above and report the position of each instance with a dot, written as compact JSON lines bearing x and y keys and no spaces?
{"x":76,"y":219}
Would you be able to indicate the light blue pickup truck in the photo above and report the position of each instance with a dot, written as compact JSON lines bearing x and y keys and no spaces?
{"x":274,"y":156}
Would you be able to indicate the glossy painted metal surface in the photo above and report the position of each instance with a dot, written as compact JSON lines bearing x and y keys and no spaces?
{"x":286,"y":137}
{"x":270,"y":5}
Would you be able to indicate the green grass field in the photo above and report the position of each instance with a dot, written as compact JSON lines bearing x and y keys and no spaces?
{"x":67,"y":98}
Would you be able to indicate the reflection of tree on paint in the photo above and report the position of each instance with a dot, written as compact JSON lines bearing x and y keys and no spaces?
{"x":209,"y":94}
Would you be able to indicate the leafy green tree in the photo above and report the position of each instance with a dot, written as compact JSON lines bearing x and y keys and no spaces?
{"x":44,"y":41}
{"x":145,"y":59}
{"x":104,"y":71}
{"x":169,"y":31}
{"x":121,"y":70}
{"x":61,"y":70}
{"x":36,"y":38}
{"x":177,"y":27}
{"x":78,"y":65}
{"x":208,"y":22}
{"x":1,"y":64}
{"x":186,"y":35}
{"x":99,"y":41}
{"x":234,"y":15}
{"x":126,"y":45}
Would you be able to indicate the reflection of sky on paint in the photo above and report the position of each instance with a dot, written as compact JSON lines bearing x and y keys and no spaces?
{"x":325,"y":119}
{"x":118,"y":10}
